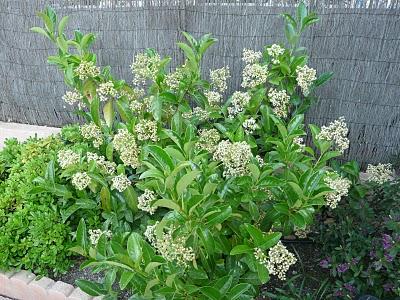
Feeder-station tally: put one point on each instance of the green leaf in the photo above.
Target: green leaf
(40, 31)
(241, 249)
(130, 197)
(256, 234)
(220, 216)
(262, 272)
(62, 24)
(81, 235)
(170, 180)
(185, 181)
(167, 203)
(270, 239)
(162, 157)
(95, 111)
(91, 288)
(150, 284)
(105, 198)
(62, 44)
(108, 112)
(295, 123)
(125, 279)
(323, 78)
(211, 293)
(134, 248)
(151, 266)
(238, 290)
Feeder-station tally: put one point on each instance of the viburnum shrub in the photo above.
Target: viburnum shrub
(196, 186)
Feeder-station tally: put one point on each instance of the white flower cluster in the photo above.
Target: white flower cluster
(380, 173)
(120, 183)
(340, 187)
(260, 160)
(67, 158)
(280, 260)
(80, 180)
(336, 132)
(250, 125)
(87, 69)
(124, 142)
(92, 132)
(250, 56)
(305, 78)
(280, 102)
(108, 166)
(169, 248)
(145, 67)
(138, 106)
(219, 79)
(238, 103)
(106, 90)
(173, 80)
(146, 130)
(299, 141)
(72, 97)
(254, 75)
(213, 98)
(234, 156)
(275, 51)
(260, 256)
(208, 140)
(95, 234)
(145, 201)
(198, 113)
(134, 94)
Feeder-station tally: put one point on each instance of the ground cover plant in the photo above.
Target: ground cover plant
(195, 187)
(361, 242)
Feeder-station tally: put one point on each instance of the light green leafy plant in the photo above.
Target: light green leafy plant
(195, 198)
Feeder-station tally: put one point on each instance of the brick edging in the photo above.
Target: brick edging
(23, 285)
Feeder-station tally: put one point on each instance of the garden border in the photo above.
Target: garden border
(22, 285)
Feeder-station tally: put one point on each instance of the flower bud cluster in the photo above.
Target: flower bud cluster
(340, 187)
(219, 79)
(120, 183)
(254, 75)
(144, 67)
(80, 180)
(275, 51)
(145, 201)
(72, 97)
(336, 132)
(250, 125)
(380, 173)
(280, 260)
(208, 139)
(213, 98)
(67, 158)
(280, 102)
(95, 234)
(106, 91)
(305, 78)
(146, 130)
(238, 103)
(197, 113)
(250, 56)
(87, 69)
(92, 132)
(235, 157)
(124, 142)
(108, 166)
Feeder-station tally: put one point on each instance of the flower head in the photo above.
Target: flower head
(144, 67)
(95, 234)
(219, 79)
(124, 142)
(145, 201)
(275, 51)
(213, 98)
(67, 158)
(197, 113)
(173, 80)
(380, 173)
(250, 125)
(336, 132)
(106, 90)
(72, 97)
(87, 69)
(81, 180)
(235, 157)
(120, 183)
(238, 103)
(305, 77)
(250, 56)
(146, 130)
(340, 187)
(208, 140)
(254, 75)
(280, 102)
(280, 260)
(92, 132)
(107, 166)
